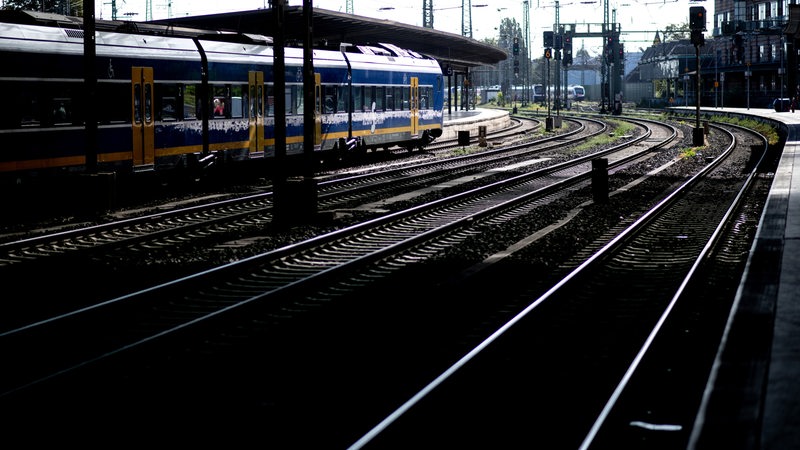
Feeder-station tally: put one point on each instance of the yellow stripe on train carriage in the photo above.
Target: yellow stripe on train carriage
(47, 163)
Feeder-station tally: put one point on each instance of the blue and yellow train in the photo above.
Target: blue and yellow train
(174, 98)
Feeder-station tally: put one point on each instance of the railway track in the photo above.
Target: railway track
(520, 128)
(281, 287)
(167, 232)
(617, 353)
(333, 188)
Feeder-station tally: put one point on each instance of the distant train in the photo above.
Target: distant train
(539, 94)
(575, 92)
(170, 98)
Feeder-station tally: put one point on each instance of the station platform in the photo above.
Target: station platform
(470, 120)
(752, 399)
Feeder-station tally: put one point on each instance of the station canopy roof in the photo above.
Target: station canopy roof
(334, 28)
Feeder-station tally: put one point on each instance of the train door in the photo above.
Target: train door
(256, 108)
(414, 106)
(142, 116)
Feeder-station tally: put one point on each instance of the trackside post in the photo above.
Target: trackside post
(600, 180)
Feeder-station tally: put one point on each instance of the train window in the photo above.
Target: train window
(25, 106)
(270, 101)
(10, 117)
(369, 98)
(399, 51)
(148, 103)
(342, 105)
(259, 100)
(318, 99)
(114, 102)
(406, 97)
(297, 95)
(190, 102)
(389, 100)
(358, 98)
(27, 114)
(166, 101)
(62, 111)
(256, 103)
(166, 110)
(329, 103)
(370, 50)
(288, 106)
(251, 105)
(425, 96)
(220, 106)
(398, 98)
(380, 94)
(137, 104)
(179, 102)
(237, 104)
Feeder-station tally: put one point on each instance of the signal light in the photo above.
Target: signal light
(548, 53)
(567, 60)
(516, 46)
(697, 18)
(547, 38)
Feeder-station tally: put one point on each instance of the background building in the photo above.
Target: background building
(744, 62)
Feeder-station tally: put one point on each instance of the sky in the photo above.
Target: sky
(638, 19)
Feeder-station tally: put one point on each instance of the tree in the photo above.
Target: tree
(51, 6)
(676, 32)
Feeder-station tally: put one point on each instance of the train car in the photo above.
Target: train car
(576, 92)
(168, 100)
(539, 94)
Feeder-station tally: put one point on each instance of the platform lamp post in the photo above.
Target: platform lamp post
(697, 24)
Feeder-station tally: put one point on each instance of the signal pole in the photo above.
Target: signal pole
(697, 24)
(526, 39)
